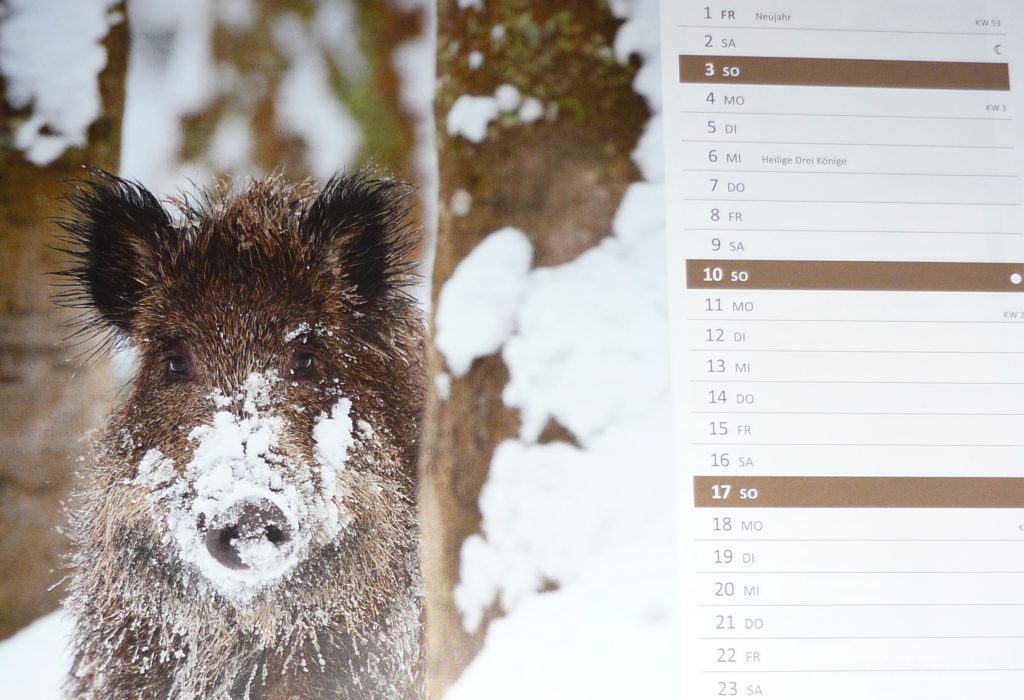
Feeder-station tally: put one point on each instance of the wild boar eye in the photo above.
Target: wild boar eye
(303, 365)
(177, 368)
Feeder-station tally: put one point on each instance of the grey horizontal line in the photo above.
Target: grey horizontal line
(826, 29)
(729, 200)
(807, 230)
(732, 572)
(869, 670)
(850, 116)
(723, 144)
(860, 605)
(851, 413)
(844, 381)
(1018, 322)
(965, 636)
(1018, 540)
(891, 352)
(848, 444)
(835, 172)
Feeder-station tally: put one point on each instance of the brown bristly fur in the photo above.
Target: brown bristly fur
(223, 279)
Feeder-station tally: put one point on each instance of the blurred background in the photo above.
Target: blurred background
(532, 130)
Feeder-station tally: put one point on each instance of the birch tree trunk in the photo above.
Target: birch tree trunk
(47, 400)
(559, 179)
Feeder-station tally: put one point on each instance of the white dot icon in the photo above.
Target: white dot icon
(1015, 278)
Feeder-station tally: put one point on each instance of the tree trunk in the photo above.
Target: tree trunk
(560, 180)
(47, 400)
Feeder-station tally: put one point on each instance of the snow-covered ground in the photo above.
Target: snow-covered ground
(35, 661)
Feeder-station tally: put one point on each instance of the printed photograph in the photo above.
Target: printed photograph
(334, 351)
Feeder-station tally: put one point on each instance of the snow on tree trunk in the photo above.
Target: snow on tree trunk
(536, 120)
(47, 401)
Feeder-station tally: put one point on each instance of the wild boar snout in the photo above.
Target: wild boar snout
(261, 490)
(250, 534)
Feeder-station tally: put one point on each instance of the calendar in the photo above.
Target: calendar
(846, 279)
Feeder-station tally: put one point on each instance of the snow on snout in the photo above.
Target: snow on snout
(240, 465)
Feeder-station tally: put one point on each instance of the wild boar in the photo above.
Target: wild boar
(246, 524)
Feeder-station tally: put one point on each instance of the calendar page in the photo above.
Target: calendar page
(846, 268)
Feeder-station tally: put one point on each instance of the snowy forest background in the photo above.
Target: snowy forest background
(532, 129)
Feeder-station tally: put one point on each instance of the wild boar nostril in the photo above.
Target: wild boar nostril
(220, 543)
(226, 535)
(275, 535)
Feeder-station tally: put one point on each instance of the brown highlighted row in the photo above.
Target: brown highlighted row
(857, 492)
(842, 275)
(844, 72)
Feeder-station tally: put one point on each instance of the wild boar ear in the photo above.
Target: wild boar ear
(116, 231)
(362, 223)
